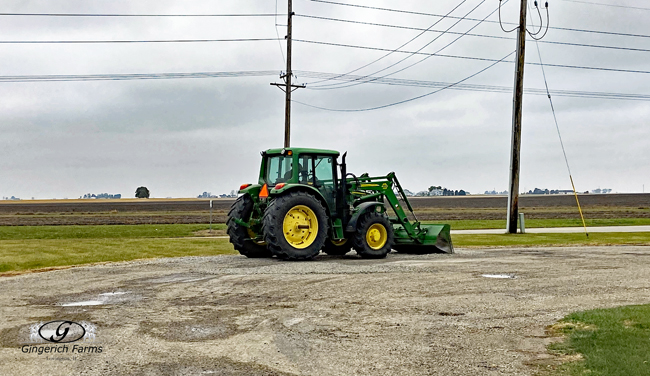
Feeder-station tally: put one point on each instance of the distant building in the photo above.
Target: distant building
(599, 191)
(494, 192)
(102, 195)
(435, 192)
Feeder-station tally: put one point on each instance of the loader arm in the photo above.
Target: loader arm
(411, 235)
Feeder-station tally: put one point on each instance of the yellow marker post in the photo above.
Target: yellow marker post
(579, 208)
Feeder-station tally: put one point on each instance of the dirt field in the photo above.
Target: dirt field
(404, 315)
(94, 212)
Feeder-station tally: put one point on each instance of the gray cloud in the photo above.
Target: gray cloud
(183, 137)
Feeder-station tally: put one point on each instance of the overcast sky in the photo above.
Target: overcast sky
(181, 137)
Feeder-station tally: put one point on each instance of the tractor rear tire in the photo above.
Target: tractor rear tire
(375, 236)
(295, 226)
(337, 248)
(240, 236)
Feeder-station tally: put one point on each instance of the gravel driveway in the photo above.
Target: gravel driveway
(476, 312)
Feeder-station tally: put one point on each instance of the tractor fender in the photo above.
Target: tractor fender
(294, 187)
(252, 190)
(302, 188)
(360, 210)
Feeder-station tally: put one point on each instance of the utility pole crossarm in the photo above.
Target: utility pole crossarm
(283, 86)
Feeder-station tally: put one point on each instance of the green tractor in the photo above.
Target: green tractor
(302, 205)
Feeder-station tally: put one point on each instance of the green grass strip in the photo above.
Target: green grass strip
(102, 231)
(575, 239)
(17, 255)
(609, 342)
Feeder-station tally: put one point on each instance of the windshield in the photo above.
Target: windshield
(314, 170)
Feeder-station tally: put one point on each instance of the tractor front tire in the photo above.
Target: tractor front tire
(240, 236)
(374, 237)
(339, 248)
(295, 226)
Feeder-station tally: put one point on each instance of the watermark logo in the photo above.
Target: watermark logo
(52, 337)
(62, 331)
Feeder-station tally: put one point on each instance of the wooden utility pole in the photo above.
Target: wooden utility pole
(513, 192)
(288, 87)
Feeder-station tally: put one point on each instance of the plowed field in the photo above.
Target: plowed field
(161, 211)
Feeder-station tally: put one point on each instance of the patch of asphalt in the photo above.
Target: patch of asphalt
(406, 314)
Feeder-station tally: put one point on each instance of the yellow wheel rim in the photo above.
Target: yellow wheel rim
(377, 236)
(300, 226)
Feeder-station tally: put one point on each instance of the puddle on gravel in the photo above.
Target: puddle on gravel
(84, 303)
(499, 276)
(104, 298)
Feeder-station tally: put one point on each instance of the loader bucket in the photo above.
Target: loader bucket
(432, 239)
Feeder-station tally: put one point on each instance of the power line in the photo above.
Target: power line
(329, 87)
(557, 127)
(394, 26)
(422, 31)
(387, 49)
(475, 58)
(280, 39)
(607, 5)
(470, 34)
(277, 33)
(474, 19)
(134, 76)
(472, 87)
(310, 74)
(410, 99)
(136, 41)
(139, 15)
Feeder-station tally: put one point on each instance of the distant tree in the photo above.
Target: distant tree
(142, 192)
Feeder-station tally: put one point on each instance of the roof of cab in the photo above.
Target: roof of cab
(303, 151)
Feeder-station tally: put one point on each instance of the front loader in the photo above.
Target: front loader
(305, 202)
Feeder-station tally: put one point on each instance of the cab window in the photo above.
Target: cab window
(278, 169)
(324, 170)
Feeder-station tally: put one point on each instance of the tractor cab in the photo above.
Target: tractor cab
(312, 167)
(316, 168)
